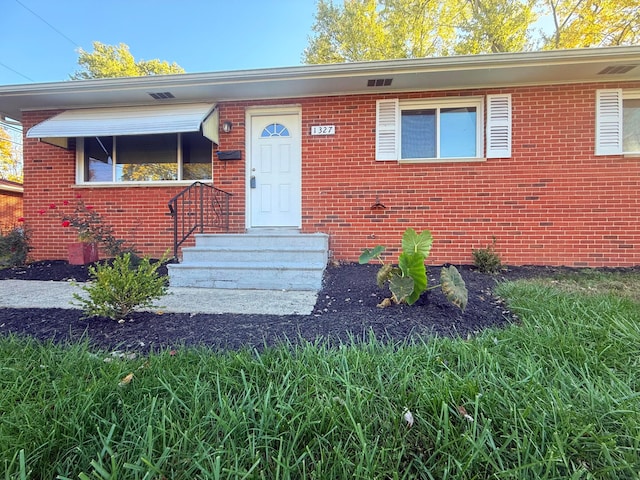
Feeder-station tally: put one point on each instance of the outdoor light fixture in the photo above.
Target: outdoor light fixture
(226, 126)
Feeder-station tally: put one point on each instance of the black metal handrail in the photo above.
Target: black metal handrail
(196, 207)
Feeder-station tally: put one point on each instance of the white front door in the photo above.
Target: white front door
(274, 170)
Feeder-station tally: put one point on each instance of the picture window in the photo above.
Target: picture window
(145, 158)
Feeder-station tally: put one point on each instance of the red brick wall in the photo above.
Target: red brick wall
(553, 202)
(10, 209)
(138, 214)
(229, 175)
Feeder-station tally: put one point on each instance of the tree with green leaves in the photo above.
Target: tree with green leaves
(10, 163)
(109, 61)
(360, 30)
(348, 33)
(420, 28)
(493, 26)
(382, 29)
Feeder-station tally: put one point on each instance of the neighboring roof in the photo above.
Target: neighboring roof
(142, 120)
(9, 186)
(443, 73)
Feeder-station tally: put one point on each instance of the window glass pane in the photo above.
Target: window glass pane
(631, 125)
(418, 129)
(458, 132)
(147, 158)
(98, 159)
(275, 130)
(196, 157)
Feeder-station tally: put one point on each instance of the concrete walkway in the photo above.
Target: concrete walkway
(39, 294)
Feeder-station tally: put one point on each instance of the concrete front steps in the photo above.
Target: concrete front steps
(261, 260)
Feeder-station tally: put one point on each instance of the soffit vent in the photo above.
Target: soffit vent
(161, 95)
(379, 82)
(616, 69)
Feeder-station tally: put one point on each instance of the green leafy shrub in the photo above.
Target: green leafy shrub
(409, 280)
(14, 247)
(117, 289)
(487, 260)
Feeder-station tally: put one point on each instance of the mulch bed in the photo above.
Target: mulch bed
(346, 311)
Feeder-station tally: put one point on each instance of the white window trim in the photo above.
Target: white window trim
(388, 114)
(80, 168)
(438, 104)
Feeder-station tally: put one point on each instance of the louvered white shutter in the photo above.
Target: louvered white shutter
(387, 129)
(498, 126)
(609, 122)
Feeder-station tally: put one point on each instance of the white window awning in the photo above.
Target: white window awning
(139, 120)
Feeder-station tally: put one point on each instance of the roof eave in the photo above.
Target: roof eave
(232, 85)
(452, 63)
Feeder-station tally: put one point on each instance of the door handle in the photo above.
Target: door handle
(252, 182)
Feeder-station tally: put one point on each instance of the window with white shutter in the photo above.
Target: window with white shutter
(440, 129)
(498, 126)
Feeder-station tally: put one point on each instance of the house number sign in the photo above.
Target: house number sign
(323, 130)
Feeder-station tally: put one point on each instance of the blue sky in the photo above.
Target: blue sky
(39, 43)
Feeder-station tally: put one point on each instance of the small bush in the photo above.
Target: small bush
(14, 247)
(487, 260)
(121, 287)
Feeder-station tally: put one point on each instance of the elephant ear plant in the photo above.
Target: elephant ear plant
(408, 280)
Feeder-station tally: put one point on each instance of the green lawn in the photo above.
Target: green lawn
(557, 396)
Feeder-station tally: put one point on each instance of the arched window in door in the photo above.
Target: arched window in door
(275, 130)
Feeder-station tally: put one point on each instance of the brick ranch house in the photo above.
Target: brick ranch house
(540, 150)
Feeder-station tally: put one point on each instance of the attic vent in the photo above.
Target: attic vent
(616, 69)
(162, 95)
(379, 82)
